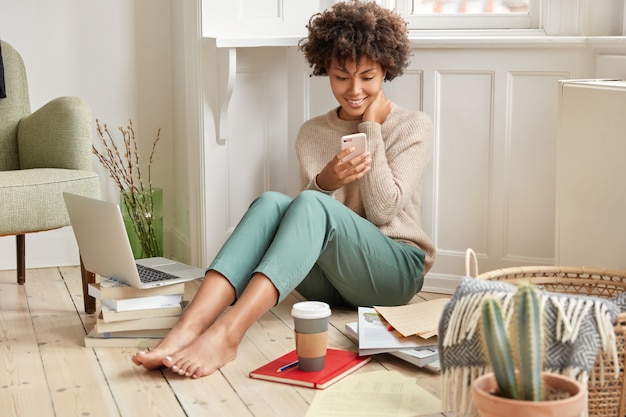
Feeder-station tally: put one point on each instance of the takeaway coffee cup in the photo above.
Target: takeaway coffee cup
(311, 330)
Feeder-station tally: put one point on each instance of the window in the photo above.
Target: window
(470, 6)
(468, 14)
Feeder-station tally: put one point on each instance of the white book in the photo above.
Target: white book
(147, 323)
(422, 357)
(108, 315)
(112, 288)
(141, 339)
(143, 303)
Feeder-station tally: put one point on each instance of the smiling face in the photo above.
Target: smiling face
(355, 85)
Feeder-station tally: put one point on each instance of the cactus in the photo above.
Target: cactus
(518, 348)
(499, 348)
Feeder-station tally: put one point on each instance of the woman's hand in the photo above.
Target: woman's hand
(338, 173)
(379, 109)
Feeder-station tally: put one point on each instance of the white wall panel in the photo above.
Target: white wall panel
(261, 9)
(530, 166)
(463, 160)
(252, 159)
(610, 66)
(298, 85)
(320, 96)
(214, 196)
(407, 90)
(246, 144)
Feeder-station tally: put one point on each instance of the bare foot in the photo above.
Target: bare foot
(175, 340)
(207, 353)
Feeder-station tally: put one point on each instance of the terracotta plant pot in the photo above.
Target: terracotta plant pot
(490, 405)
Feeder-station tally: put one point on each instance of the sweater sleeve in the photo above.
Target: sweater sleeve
(400, 151)
(309, 147)
(317, 143)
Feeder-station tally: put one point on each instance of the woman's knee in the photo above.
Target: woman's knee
(312, 197)
(272, 198)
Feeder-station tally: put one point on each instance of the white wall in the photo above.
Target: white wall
(116, 55)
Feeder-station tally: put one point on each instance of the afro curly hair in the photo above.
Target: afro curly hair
(351, 30)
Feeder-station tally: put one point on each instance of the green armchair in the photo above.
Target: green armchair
(42, 154)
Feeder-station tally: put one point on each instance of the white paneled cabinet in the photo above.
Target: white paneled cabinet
(591, 174)
(256, 21)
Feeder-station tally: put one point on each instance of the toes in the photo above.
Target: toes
(200, 372)
(174, 365)
(168, 361)
(185, 367)
(179, 366)
(194, 371)
(139, 357)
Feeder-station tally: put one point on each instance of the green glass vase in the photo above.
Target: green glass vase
(142, 212)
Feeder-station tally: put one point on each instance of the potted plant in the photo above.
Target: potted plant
(141, 203)
(518, 386)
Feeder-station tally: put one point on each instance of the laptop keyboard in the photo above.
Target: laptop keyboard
(150, 275)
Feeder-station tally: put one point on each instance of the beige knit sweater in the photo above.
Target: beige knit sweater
(389, 195)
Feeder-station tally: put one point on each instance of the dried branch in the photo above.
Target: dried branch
(126, 173)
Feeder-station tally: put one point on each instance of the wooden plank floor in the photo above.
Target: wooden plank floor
(45, 370)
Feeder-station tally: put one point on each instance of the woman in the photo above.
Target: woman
(353, 237)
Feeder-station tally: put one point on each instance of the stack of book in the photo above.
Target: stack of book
(407, 332)
(133, 317)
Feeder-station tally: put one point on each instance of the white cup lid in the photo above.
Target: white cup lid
(310, 310)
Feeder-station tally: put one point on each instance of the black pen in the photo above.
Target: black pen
(288, 366)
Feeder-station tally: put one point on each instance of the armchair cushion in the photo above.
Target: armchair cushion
(32, 199)
(55, 136)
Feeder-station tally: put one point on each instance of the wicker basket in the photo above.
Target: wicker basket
(606, 394)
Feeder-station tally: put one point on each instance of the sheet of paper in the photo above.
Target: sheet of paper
(376, 336)
(415, 318)
(374, 394)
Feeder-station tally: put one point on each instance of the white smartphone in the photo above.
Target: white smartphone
(356, 141)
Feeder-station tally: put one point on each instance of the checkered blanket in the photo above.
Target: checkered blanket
(577, 327)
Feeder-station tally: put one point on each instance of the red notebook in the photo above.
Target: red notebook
(338, 364)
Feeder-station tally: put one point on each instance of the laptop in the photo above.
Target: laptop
(105, 249)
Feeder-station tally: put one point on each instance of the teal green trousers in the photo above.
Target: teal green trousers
(315, 244)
